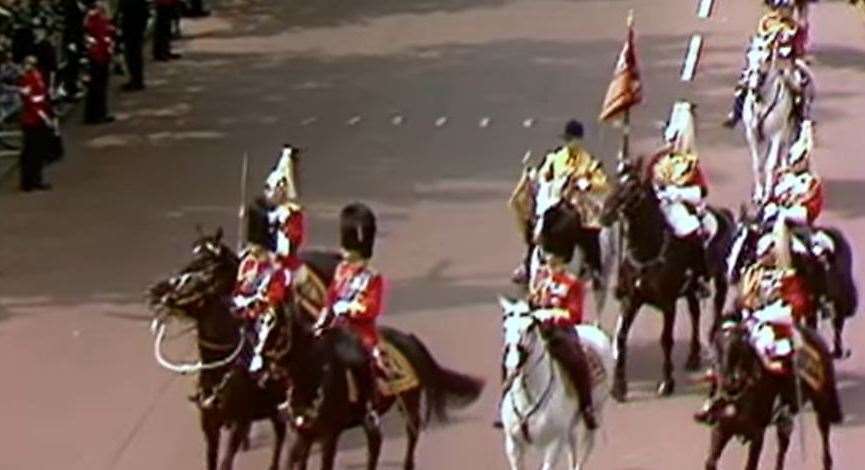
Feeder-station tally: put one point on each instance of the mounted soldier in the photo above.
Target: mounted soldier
(570, 174)
(354, 300)
(269, 266)
(681, 188)
(773, 299)
(556, 297)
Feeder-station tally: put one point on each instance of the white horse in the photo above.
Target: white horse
(537, 409)
(768, 111)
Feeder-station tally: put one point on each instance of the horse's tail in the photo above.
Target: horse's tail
(720, 245)
(843, 266)
(826, 401)
(444, 388)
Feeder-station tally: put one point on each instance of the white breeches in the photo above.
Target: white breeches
(681, 219)
(767, 344)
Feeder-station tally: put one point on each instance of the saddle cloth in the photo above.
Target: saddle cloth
(401, 376)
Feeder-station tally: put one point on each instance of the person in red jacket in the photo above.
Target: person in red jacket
(354, 298)
(36, 126)
(100, 46)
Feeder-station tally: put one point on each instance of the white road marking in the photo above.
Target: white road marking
(397, 120)
(692, 57)
(308, 121)
(485, 122)
(705, 8)
(528, 123)
(441, 121)
(353, 120)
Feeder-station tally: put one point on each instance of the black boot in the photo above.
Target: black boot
(735, 114)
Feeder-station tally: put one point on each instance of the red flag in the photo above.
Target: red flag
(625, 89)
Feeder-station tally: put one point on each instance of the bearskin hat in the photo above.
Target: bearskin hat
(258, 228)
(559, 231)
(357, 229)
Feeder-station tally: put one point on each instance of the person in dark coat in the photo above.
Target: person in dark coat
(100, 47)
(133, 23)
(73, 45)
(46, 56)
(165, 11)
(37, 122)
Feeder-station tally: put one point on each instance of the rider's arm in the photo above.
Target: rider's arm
(368, 305)
(597, 178)
(574, 302)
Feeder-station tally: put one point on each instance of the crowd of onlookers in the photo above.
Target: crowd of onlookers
(56, 52)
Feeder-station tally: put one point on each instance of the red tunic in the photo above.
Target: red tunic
(291, 225)
(794, 291)
(362, 286)
(558, 290)
(100, 36)
(262, 276)
(696, 178)
(34, 100)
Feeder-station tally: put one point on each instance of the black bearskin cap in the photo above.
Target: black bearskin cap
(258, 229)
(559, 232)
(357, 229)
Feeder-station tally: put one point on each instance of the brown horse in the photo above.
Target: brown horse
(655, 270)
(750, 394)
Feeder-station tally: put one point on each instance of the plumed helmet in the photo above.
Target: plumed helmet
(357, 229)
(573, 130)
(558, 232)
(258, 228)
(282, 175)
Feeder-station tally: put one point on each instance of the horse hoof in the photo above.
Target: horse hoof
(694, 364)
(666, 388)
(619, 392)
(841, 354)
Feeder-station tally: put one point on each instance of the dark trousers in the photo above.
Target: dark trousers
(33, 155)
(96, 105)
(133, 53)
(564, 345)
(162, 32)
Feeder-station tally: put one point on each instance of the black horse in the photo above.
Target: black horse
(751, 394)
(326, 398)
(654, 270)
(227, 394)
(831, 284)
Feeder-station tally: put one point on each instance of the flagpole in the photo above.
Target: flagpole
(624, 154)
(241, 214)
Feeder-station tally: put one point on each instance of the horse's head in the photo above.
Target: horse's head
(734, 355)
(681, 129)
(628, 193)
(520, 333)
(744, 247)
(759, 61)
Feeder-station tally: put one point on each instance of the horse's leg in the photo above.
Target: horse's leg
(411, 404)
(626, 319)
(239, 431)
(514, 449)
(373, 445)
(586, 448)
(299, 454)
(279, 430)
(328, 450)
(838, 351)
(667, 384)
(720, 438)
(693, 362)
(755, 450)
(553, 453)
(210, 425)
(784, 429)
(773, 155)
(721, 289)
(756, 161)
(825, 428)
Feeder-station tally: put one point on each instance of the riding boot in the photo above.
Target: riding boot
(735, 114)
(497, 422)
(565, 347)
(699, 281)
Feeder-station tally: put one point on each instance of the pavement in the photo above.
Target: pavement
(423, 109)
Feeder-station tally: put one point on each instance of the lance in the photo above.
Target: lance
(241, 214)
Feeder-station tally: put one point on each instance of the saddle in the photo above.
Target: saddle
(398, 375)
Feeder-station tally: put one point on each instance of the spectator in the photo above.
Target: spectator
(46, 56)
(37, 126)
(162, 30)
(100, 47)
(133, 23)
(73, 45)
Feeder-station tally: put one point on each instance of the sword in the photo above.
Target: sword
(241, 214)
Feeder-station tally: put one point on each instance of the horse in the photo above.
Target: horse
(654, 270)
(832, 285)
(750, 394)
(324, 392)
(769, 111)
(227, 395)
(538, 409)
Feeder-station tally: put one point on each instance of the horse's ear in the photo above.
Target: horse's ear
(218, 234)
(505, 303)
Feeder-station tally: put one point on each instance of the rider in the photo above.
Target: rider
(681, 189)
(556, 296)
(780, 30)
(354, 298)
(286, 216)
(773, 298)
(579, 178)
